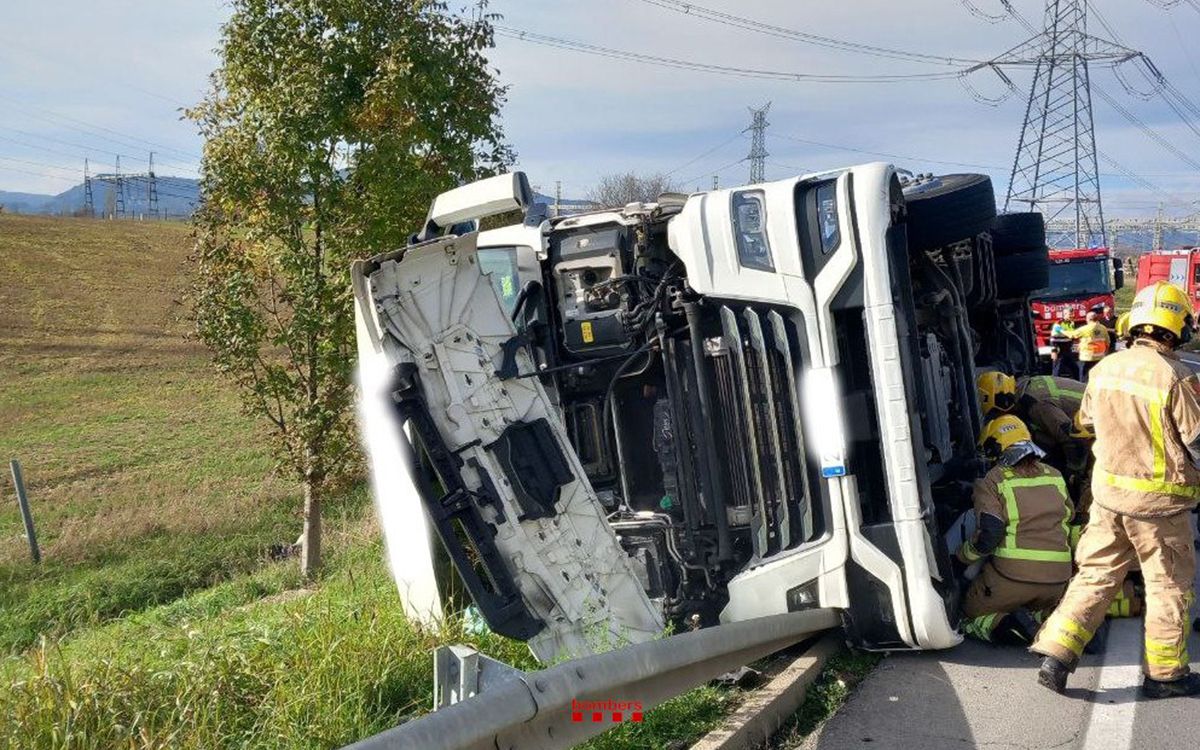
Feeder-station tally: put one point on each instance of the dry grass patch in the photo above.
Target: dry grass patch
(145, 478)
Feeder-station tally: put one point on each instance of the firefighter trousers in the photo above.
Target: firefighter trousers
(992, 596)
(1112, 544)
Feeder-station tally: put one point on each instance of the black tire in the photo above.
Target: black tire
(1021, 273)
(1018, 233)
(949, 209)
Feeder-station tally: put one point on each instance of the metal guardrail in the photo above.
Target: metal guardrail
(534, 711)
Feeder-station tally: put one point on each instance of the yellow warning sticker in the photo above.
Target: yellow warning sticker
(585, 328)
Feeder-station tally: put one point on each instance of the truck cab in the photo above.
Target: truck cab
(711, 408)
(1079, 279)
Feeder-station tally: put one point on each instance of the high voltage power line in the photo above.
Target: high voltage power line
(740, 22)
(728, 70)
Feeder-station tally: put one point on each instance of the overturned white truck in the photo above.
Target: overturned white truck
(712, 408)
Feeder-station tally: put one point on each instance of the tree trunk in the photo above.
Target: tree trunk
(310, 540)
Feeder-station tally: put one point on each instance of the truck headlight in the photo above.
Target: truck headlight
(823, 410)
(749, 209)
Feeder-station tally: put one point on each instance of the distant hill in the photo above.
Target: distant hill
(177, 197)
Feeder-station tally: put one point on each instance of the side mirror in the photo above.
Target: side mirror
(495, 195)
(1118, 274)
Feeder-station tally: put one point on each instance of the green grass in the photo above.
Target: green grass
(225, 668)
(826, 696)
(156, 618)
(1124, 297)
(145, 478)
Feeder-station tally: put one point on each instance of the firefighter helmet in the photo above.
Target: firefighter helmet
(997, 391)
(1123, 325)
(1001, 434)
(1164, 306)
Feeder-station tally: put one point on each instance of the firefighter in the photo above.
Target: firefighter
(1122, 330)
(1062, 356)
(1093, 344)
(1022, 511)
(1047, 405)
(1144, 406)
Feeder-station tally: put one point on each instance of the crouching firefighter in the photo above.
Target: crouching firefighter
(1022, 511)
(1048, 406)
(1144, 406)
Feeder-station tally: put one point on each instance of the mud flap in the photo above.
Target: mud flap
(515, 510)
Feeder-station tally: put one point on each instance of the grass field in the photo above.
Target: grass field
(157, 618)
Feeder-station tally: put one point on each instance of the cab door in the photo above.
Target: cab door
(503, 490)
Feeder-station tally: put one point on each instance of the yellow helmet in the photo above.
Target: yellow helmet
(996, 391)
(1164, 306)
(1002, 433)
(1123, 325)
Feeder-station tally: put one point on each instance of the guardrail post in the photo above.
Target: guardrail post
(26, 513)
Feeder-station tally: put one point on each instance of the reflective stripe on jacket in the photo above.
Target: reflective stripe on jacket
(1064, 393)
(1048, 406)
(1144, 405)
(1031, 498)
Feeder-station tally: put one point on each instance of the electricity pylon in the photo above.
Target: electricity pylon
(758, 144)
(1055, 170)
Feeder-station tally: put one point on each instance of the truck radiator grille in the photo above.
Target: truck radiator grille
(760, 437)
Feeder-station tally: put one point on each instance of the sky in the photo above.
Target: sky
(97, 79)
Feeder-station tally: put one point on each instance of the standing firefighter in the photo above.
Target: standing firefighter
(1022, 511)
(1093, 344)
(1144, 405)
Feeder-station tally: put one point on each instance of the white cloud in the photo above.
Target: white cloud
(125, 65)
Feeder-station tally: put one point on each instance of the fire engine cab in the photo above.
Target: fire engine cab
(1080, 279)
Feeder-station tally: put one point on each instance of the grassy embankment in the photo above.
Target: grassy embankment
(157, 618)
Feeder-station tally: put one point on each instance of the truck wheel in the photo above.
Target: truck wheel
(948, 209)
(1021, 273)
(1018, 233)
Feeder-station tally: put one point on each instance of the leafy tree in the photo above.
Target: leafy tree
(329, 126)
(617, 190)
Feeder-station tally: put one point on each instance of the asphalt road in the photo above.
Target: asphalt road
(981, 696)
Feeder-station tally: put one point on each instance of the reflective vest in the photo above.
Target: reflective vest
(1093, 342)
(1144, 405)
(1048, 406)
(1064, 393)
(1031, 498)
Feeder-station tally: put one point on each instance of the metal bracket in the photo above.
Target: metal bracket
(461, 672)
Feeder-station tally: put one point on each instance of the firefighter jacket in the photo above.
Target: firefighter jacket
(1144, 406)
(1093, 341)
(1048, 406)
(1024, 514)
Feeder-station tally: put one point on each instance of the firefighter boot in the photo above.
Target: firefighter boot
(1053, 674)
(1018, 628)
(1189, 684)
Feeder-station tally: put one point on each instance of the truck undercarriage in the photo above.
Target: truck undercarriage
(711, 408)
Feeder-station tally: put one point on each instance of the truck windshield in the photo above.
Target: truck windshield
(1077, 278)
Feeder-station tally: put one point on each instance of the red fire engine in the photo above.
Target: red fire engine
(1180, 267)
(1079, 280)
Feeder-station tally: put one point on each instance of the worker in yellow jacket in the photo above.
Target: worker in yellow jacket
(1093, 344)
(1144, 406)
(1022, 513)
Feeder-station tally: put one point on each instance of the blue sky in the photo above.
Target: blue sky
(86, 78)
